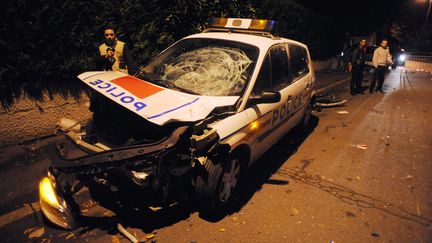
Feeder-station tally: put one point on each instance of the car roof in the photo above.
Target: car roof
(262, 42)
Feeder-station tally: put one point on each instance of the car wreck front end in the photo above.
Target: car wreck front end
(164, 169)
(150, 132)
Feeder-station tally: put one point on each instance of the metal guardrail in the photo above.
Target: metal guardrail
(419, 58)
(418, 62)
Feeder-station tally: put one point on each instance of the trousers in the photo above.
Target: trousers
(378, 75)
(357, 78)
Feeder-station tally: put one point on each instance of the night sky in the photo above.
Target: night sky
(361, 17)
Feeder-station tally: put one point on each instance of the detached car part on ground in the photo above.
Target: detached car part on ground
(188, 126)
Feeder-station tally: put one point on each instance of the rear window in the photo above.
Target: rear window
(299, 61)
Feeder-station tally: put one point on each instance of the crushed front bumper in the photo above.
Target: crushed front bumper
(56, 193)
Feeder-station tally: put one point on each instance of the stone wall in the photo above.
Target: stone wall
(28, 119)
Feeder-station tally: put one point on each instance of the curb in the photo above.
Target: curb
(22, 154)
(322, 90)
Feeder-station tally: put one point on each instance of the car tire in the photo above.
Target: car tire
(305, 121)
(216, 185)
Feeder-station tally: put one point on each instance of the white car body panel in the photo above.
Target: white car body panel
(257, 126)
(158, 104)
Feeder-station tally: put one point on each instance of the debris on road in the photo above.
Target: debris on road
(360, 146)
(375, 234)
(408, 177)
(128, 235)
(150, 236)
(35, 232)
(222, 230)
(350, 214)
(70, 236)
(155, 209)
(329, 103)
(342, 112)
(294, 211)
(115, 239)
(418, 209)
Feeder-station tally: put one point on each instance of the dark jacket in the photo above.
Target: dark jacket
(358, 57)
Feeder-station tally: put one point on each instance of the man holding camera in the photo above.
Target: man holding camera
(114, 54)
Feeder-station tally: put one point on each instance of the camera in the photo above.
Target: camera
(110, 49)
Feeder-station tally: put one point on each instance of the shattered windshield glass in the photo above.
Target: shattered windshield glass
(204, 66)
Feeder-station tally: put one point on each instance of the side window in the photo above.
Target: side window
(263, 81)
(298, 61)
(275, 72)
(279, 67)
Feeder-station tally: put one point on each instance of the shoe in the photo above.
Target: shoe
(371, 91)
(353, 93)
(381, 91)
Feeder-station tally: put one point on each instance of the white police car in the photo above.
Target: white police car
(193, 120)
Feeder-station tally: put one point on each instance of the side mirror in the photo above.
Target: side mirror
(266, 97)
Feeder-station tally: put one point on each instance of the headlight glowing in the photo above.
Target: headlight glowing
(54, 207)
(402, 57)
(254, 125)
(47, 193)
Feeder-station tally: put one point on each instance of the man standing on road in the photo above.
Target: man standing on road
(381, 60)
(358, 62)
(114, 54)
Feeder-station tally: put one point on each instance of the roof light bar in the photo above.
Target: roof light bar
(246, 24)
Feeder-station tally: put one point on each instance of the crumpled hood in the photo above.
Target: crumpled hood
(157, 104)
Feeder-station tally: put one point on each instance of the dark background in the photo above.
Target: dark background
(46, 43)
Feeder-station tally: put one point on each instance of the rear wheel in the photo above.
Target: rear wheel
(304, 123)
(216, 185)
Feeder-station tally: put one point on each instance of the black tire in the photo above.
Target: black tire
(305, 121)
(216, 185)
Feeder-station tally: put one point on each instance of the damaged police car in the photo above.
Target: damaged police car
(189, 125)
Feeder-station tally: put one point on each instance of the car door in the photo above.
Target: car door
(273, 119)
(302, 81)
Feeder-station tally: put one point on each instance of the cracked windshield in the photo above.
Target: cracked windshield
(204, 66)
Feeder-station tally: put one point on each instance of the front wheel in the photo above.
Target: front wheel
(216, 185)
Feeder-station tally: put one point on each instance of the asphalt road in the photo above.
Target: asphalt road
(361, 173)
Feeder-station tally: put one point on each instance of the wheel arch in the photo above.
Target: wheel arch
(243, 153)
